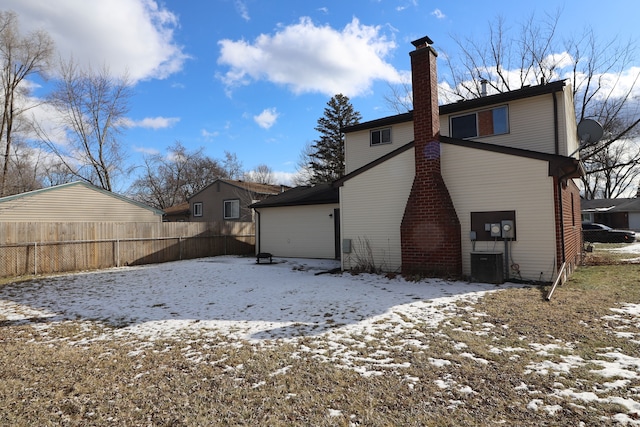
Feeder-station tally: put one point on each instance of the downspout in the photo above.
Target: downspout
(257, 231)
(556, 130)
(556, 140)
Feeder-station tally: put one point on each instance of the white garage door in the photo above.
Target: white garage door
(634, 220)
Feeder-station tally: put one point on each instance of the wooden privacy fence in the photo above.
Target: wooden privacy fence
(43, 248)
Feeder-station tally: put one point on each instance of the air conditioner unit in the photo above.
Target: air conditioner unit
(487, 267)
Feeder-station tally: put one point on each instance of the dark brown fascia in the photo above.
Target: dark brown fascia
(376, 162)
(464, 105)
(559, 166)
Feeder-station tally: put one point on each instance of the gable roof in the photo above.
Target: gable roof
(464, 105)
(179, 209)
(318, 194)
(560, 166)
(610, 205)
(79, 184)
(253, 187)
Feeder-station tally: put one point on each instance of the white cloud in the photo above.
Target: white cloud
(146, 150)
(438, 14)
(267, 118)
(308, 58)
(152, 122)
(242, 9)
(283, 178)
(132, 36)
(207, 135)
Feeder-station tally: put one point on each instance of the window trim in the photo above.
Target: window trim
(197, 209)
(507, 130)
(380, 131)
(224, 208)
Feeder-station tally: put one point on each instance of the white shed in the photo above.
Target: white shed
(302, 222)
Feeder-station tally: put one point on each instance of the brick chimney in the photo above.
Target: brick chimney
(430, 229)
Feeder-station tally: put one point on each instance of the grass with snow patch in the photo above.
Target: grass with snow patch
(512, 358)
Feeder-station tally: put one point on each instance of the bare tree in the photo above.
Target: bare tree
(601, 73)
(606, 181)
(171, 179)
(24, 171)
(262, 174)
(21, 57)
(92, 108)
(304, 174)
(232, 166)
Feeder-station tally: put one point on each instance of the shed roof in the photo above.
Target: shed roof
(318, 194)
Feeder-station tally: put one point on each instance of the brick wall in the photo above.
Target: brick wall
(430, 230)
(572, 223)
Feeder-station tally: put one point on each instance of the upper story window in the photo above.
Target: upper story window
(494, 121)
(231, 209)
(197, 209)
(381, 136)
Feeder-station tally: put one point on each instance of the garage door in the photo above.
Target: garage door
(634, 220)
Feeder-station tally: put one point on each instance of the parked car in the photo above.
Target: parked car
(593, 232)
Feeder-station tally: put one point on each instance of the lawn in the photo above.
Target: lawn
(222, 341)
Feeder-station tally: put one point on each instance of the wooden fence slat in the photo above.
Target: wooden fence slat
(64, 247)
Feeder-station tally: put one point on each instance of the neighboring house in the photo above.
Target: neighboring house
(177, 213)
(301, 222)
(75, 202)
(229, 200)
(425, 189)
(616, 213)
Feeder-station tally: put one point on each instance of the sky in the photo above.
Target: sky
(324, 317)
(252, 77)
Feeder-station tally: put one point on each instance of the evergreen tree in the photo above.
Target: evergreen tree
(326, 159)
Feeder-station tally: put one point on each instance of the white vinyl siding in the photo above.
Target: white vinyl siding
(297, 231)
(372, 207)
(72, 203)
(359, 151)
(481, 181)
(567, 124)
(531, 125)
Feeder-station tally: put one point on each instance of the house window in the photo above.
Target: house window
(231, 209)
(197, 209)
(381, 136)
(481, 123)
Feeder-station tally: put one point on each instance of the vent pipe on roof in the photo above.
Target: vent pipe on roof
(483, 84)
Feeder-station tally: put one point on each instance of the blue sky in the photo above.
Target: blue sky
(252, 77)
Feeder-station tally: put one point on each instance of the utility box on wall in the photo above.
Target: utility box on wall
(487, 267)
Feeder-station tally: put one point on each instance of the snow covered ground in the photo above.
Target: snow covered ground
(287, 301)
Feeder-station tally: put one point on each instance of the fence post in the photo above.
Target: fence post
(35, 258)
(180, 248)
(117, 252)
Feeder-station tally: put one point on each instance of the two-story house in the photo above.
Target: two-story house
(434, 190)
(462, 189)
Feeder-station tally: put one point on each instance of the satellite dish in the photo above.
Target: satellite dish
(589, 131)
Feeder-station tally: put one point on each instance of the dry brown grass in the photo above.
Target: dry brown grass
(58, 379)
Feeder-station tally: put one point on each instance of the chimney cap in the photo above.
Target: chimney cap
(422, 42)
